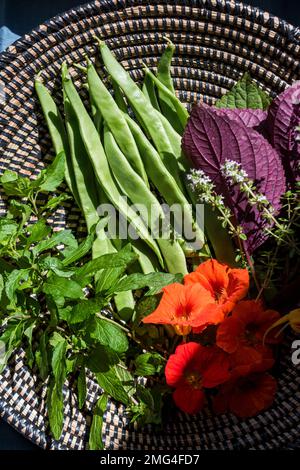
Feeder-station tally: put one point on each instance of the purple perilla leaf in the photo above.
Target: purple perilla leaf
(210, 140)
(281, 124)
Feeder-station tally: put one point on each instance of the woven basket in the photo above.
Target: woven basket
(216, 42)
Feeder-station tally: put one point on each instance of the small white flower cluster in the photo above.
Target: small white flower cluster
(201, 185)
(233, 171)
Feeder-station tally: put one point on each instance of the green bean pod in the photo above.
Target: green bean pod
(98, 159)
(118, 96)
(82, 168)
(164, 67)
(163, 180)
(113, 116)
(180, 109)
(144, 110)
(175, 140)
(164, 76)
(134, 187)
(57, 132)
(149, 91)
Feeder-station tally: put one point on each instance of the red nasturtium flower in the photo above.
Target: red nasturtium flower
(246, 396)
(241, 335)
(246, 326)
(192, 369)
(185, 307)
(225, 285)
(247, 359)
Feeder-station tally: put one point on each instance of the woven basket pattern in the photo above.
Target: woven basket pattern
(216, 42)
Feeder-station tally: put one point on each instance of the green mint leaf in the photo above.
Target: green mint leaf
(41, 357)
(18, 209)
(1, 286)
(95, 437)
(13, 283)
(108, 278)
(55, 407)
(60, 287)
(50, 178)
(8, 230)
(144, 394)
(58, 360)
(15, 185)
(12, 338)
(112, 260)
(245, 94)
(148, 364)
(126, 378)
(85, 309)
(54, 202)
(81, 388)
(63, 237)
(56, 266)
(108, 334)
(102, 358)
(29, 353)
(104, 362)
(82, 250)
(155, 281)
(113, 386)
(37, 232)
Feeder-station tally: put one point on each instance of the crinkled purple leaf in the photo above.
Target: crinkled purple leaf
(283, 119)
(210, 139)
(250, 117)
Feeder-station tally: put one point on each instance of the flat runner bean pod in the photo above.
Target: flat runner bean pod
(83, 170)
(180, 109)
(149, 91)
(57, 132)
(164, 66)
(134, 187)
(113, 116)
(89, 198)
(175, 140)
(164, 76)
(163, 180)
(98, 159)
(144, 109)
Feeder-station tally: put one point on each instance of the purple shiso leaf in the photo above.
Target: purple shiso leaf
(210, 139)
(250, 117)
(281, 123)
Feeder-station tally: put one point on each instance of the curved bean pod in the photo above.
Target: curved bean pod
(133, 186)
(113, 116)
(98, 159)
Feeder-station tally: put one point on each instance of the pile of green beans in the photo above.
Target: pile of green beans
(110, 154)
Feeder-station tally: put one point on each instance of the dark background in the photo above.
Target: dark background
(20, 16)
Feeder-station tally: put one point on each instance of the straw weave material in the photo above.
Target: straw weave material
(216, 42)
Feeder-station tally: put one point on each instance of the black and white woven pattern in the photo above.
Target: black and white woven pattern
(216, 42)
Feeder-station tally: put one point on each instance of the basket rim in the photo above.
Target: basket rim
(56, 22)
(255, 15)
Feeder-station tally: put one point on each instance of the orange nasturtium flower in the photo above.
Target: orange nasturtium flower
(185, 307)
(225, 285)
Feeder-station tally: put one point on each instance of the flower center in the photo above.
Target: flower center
(183, 312)
(250, 334)
(194, 379)
(220, 295)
